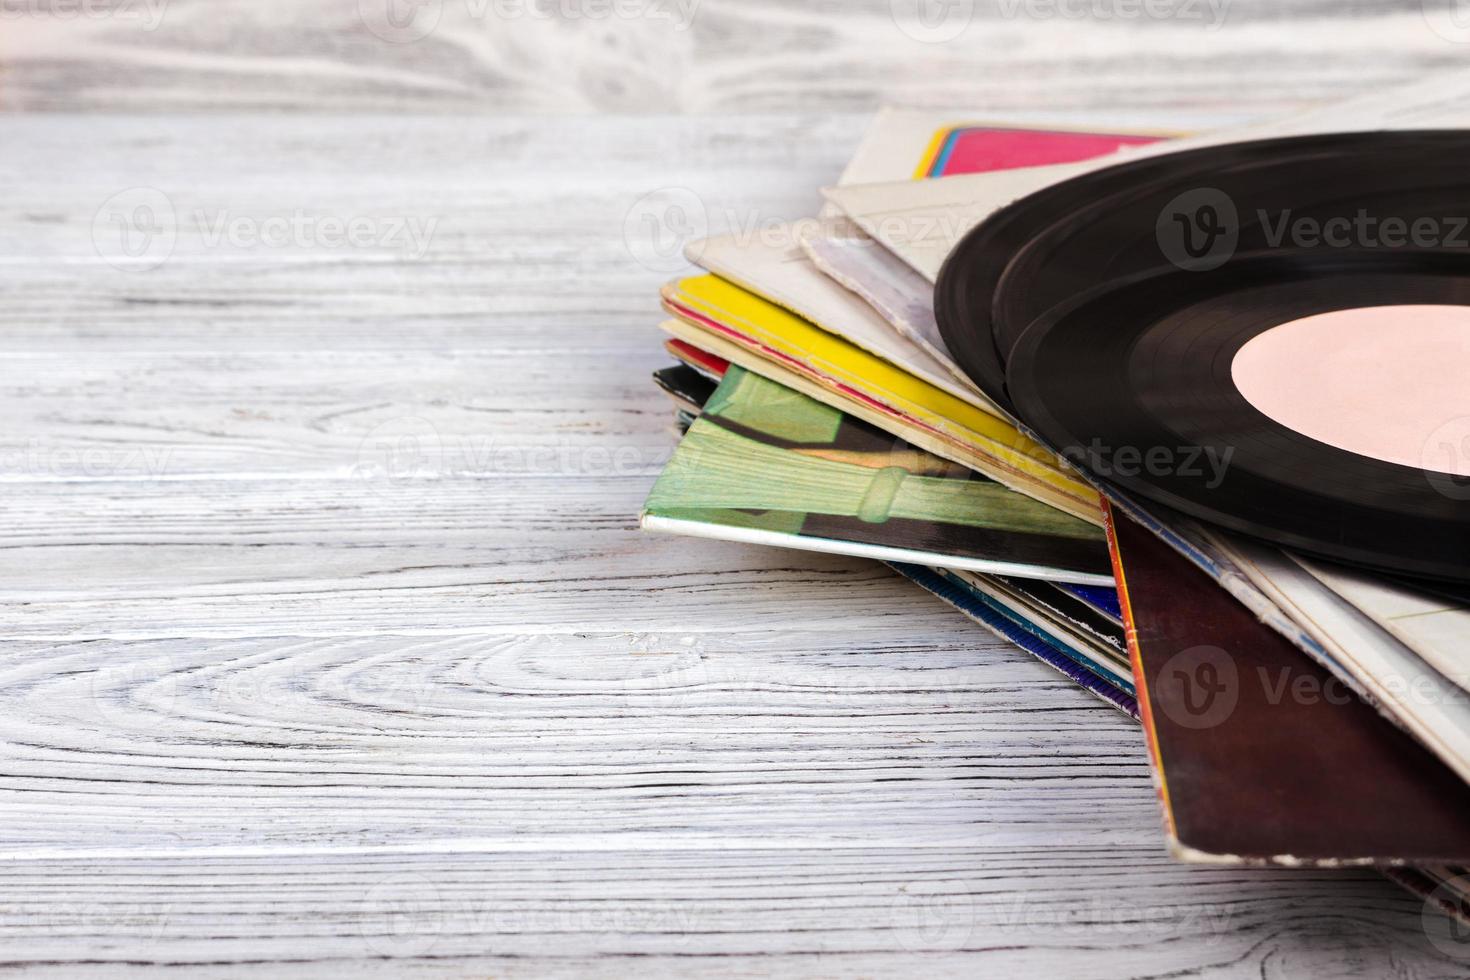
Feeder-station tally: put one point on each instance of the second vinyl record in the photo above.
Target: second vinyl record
(1123, 220)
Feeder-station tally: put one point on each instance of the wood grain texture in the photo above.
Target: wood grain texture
(711, 55)
(758, 911)
(331, 646)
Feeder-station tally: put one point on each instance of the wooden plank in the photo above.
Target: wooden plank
(764, 910)
(709, 56)
(278, 697)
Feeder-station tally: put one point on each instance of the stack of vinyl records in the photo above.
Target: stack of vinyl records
(1187, 417)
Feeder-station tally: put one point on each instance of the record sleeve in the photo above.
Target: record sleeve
(766, 464)
(1259, 756)
(749, 330)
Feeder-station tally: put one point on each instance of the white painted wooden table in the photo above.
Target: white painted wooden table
(332, 647)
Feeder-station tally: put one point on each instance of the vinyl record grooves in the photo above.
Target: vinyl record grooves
(1144, 367)
(1106, 313)
(1104, 226)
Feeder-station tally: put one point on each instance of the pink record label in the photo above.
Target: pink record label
(1388, 382)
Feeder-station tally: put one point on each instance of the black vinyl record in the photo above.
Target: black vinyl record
(1138, 370)
(1125, 220)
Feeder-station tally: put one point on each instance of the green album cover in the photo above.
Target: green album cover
(767, 464)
